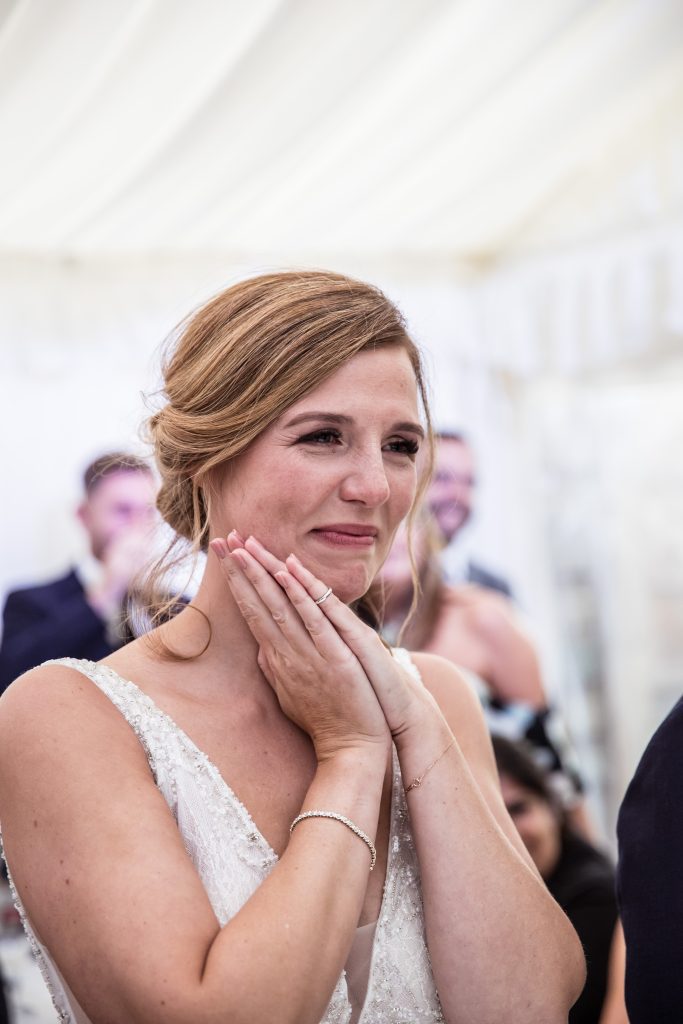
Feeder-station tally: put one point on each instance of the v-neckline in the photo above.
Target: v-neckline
(223, 785)
(220, 778)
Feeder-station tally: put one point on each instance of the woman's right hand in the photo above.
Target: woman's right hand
(318, 681)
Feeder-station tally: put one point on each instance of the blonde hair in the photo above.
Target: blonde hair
(429, 588)
(239, 362)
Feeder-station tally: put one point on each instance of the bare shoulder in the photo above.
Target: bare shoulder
(46, 681)
(49, 695)
(50, 718)
(471, 595)
(491, 616)
(450, 688)
(477, 606)
(461, 708)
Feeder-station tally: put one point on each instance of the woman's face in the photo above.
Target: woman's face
(333, 477)
(536, 823)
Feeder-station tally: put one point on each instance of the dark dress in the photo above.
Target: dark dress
(650, 832)
(583, 885)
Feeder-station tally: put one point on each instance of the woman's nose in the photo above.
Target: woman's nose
(366, 482)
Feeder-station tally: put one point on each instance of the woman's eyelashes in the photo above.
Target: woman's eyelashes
(330, 437)
(322, 437)
(404, 446)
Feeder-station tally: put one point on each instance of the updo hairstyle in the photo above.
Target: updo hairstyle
(244, 358)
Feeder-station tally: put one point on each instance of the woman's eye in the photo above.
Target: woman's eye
(323, 437)
(404, 446)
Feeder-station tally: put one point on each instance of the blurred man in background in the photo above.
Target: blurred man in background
(450, 498)
(82, 614)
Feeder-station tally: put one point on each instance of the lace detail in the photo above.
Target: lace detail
(233, 858)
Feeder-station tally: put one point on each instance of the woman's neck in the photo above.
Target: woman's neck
(212, 632)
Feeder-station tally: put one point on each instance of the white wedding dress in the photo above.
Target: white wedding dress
(232, 858)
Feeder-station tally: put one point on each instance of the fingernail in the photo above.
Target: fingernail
(283, 579)
(295, 560)
(219, 548)
(240, 559)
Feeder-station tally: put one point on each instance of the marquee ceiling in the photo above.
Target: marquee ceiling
(440, 129)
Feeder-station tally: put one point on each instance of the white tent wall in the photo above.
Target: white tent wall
(607, 453)
(306, 130)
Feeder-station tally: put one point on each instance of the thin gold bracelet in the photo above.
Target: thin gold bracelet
(420, 778)
(345, 821)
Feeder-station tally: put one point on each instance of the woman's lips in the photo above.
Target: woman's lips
(340, 536)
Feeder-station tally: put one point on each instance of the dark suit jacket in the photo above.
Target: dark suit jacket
(650, 878)
(481, 576)
(49, 621)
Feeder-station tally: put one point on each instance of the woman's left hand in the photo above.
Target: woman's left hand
(404, 701)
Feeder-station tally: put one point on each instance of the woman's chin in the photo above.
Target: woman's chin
(349, 586)
(349, 595)
(349, 578)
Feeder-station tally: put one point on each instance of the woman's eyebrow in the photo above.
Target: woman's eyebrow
(345, 421)
(413, 428)
(325, 417)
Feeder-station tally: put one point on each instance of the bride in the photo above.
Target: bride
(257, 812)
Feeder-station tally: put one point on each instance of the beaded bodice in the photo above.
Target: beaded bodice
(232, 859)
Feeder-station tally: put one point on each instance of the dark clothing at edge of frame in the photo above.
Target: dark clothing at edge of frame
(583, 885)
(53, 620)
(650, 878)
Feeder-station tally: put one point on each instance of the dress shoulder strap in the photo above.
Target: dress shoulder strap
(148, 722)
(404, 659)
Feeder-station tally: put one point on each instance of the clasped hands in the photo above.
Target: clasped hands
(330, 672)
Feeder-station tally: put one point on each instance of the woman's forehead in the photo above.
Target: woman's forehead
(374, 378)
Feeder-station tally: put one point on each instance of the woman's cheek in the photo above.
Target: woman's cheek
(403, 491)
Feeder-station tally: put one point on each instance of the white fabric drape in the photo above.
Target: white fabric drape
(280, 130)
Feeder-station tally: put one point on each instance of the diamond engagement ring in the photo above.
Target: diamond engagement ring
(324, 596)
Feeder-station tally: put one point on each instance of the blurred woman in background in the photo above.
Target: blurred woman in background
(579, 876)
(481, 632)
